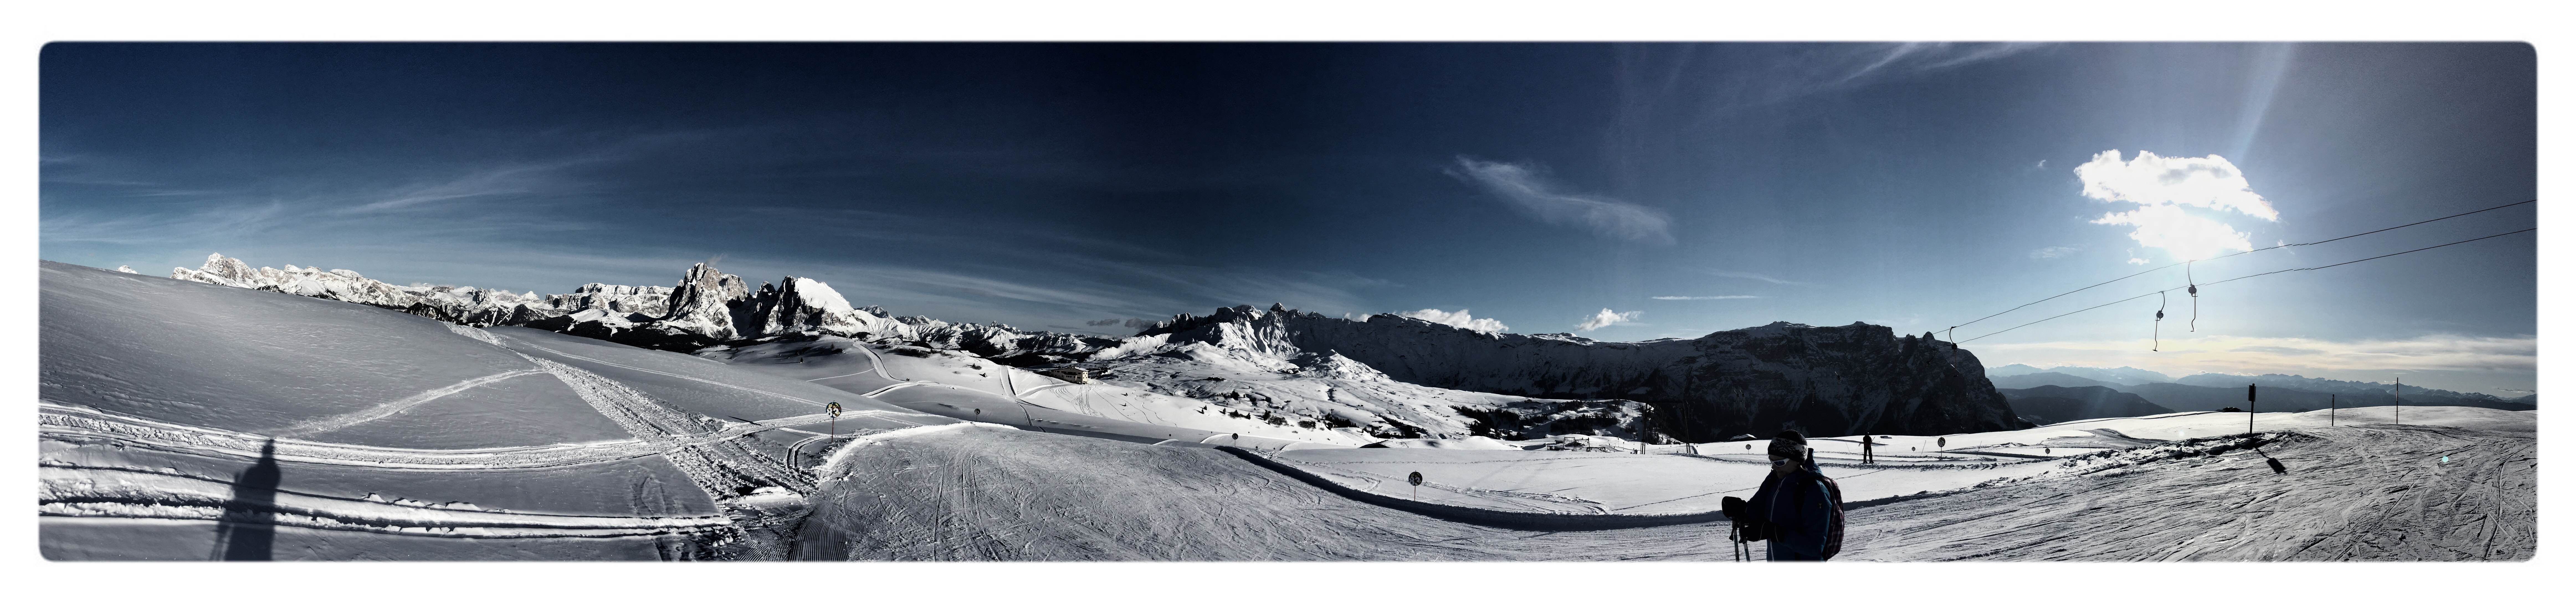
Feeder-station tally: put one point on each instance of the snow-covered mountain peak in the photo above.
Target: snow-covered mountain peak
(1828, 380)
(1333, 365)
(705, 302)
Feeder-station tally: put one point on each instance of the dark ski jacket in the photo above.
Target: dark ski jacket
(1796, 513)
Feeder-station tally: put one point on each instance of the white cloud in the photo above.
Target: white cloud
(2161, 187)
(1708, 297)
(2137, 261)
(2185, 236)
(1458, 319)
(1607, 318)
(2051, 253)
(1522, 188)
(2043, 164)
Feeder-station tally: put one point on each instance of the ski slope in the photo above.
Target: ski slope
(2380, 492)
(960, 386)
(1667, 481)
(2352, 494)
(181, 420)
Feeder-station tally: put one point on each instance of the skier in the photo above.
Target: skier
(1798, 509)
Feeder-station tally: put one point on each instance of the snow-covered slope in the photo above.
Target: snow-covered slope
(1329, 390)
(976, 388)
(2360, 493)
(178, 420)
(2375, 492)
(181, 420)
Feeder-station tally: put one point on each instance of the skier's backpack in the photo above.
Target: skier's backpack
(1834, 528)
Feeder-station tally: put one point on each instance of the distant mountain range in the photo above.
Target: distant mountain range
(2122, 375)
(2048, 404)
(2211, 391)
(1830, 380)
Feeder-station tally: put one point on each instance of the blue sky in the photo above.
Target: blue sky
(1618, 191)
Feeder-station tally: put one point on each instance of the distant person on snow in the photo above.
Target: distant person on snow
(1798, 509)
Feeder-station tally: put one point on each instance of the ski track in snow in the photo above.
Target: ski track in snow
(338, 422)
(718, 465)
(2378, 492)
(76, 424)
(137, 493)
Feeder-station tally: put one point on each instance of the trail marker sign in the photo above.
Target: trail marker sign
(833, 427)
(1416, 478)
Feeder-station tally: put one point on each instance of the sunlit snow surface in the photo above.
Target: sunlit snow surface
(1678, 479)
(2354, 493)
(181, 420)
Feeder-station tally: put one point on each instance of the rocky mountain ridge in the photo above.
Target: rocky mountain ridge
(1851, 379)
(706, 307)
(1826, 381)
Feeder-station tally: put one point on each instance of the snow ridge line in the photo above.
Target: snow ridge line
(478, 334)
(1516, 520)
(344, 421)
(1376, 480)
(69, 491)
(73, 423)
(835, 464)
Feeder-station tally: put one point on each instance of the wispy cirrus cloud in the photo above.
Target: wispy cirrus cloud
(500, 183)
(1523, 188)
(1752, 276)
(2051, 253)
(1921, 57)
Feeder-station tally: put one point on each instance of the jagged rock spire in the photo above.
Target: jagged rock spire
(704, 303)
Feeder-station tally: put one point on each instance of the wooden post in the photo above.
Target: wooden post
(2330, 410)
(2397, 397)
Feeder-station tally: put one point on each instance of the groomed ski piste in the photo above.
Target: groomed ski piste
(184, 421)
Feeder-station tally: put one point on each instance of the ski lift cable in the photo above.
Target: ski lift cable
(2143, 272)
(2162, 291)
